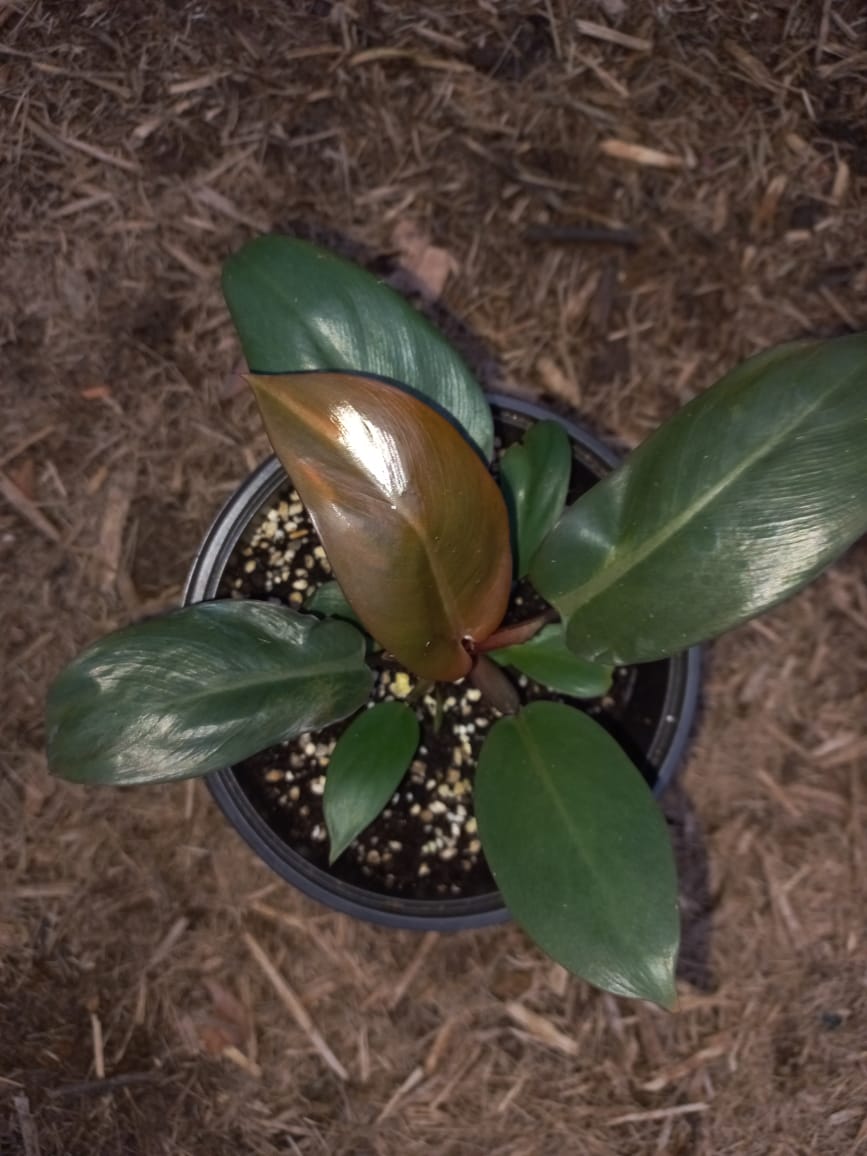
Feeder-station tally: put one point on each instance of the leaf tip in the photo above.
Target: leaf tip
(256, 381)
(657, 985)
(666, 996)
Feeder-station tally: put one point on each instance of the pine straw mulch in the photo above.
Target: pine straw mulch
(141, 143)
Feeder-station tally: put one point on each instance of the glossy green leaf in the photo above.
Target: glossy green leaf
(371, 757)
(579, 850)
(547, 659)
(330, 601)
(200, 689)
(298, 307)
(413, 524)
(735, 503)
(535, 477)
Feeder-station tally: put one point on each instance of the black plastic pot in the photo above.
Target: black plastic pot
(664, 696)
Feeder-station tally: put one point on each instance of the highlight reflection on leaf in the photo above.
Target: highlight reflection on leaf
(414, 525)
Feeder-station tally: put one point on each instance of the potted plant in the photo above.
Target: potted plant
(418, 865)
(441, 575)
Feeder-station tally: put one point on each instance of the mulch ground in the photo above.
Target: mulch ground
(446, 145)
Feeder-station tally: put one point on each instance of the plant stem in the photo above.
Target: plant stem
(517, 633)
(495, 685)
(423, 687)
(438, 710)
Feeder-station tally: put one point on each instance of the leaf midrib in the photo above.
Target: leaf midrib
(251, 682)
(323, 349)
(544, 776)
(610, 574)
(406, 508)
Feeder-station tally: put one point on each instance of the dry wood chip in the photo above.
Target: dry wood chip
(860, 1138)
(821, 802)
(421, 59)
(363, 1055)
(555, 381)
(781, 904)
(220, 204)
(98, 1048)
(624, 150)
(27, 509)
(309, 927)
(852, 752)
(27, 1126)
(512, 1095)
(841, 183)
(751, 66)
(42, 891)
(236, 1056)
(844, 1116)
(579, 299)
(659, 1113)
(440, 1044)
(26, 442)
(541, 1029)
(23, 475)
(311, 51)
(203, 272)
(294, 1006)
(778, 793)
(164, 947)
(857, 62)
(823, 31)
(429, 265)
(196, 83)
(94, 78)
(228, 1022)
(66, 143)
(767, 207)
(677, 1072)
(843, 312)
(144, 128)
(118, 500)
(466, 1063)
(412, 1080)
(390, 994)
(81, 204)
(612, 36)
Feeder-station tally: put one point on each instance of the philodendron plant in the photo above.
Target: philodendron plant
(735, 503)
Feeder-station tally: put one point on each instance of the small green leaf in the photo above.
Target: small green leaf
(535, 477)
(298, 307)
(199, 689)
(411, 519)
(366, 766)
(547, 659)
(580, 850)
(735, 503)
(330, 601)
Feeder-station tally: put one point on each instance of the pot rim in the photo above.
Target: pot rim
(669, 742)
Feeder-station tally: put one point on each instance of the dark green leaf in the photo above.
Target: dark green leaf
(330, 601)
(734, 504)
(547, 659)
(413, 524)
(370, 759)
(535, 480)
(579, 850)
(297, 307)
(199, 689)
